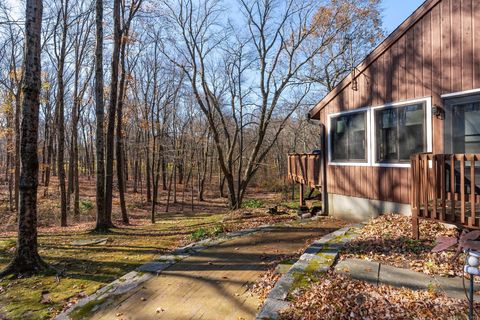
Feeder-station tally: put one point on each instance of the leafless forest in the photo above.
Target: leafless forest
(173, 101)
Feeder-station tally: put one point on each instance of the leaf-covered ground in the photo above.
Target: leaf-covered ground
(338, 297)
(388, 239)
(84, 269)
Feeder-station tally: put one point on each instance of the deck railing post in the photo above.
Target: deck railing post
(414, 196)
(302, 192)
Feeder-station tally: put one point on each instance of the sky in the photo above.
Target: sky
(396, 11)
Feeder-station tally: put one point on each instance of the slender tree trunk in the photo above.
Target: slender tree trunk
(119, 140)
(136, 165)
(17, 149)
(26, 258)
(203, 173)
(112, 109)
(48, 169)
(10, 160)
(170, 189)
(61, 118)
(148, 168)
(73, 164)
(164, 171)
(104, 222)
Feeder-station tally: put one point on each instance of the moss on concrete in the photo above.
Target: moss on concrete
(86, 310)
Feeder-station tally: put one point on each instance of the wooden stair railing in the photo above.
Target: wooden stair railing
(306, 169)
(442, 194)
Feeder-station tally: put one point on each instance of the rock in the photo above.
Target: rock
(273, 210)
(80, 243)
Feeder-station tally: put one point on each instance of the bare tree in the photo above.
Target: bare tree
(103, 221)
(60, 105)
(126, 23)
(275, 53)
(26, 258)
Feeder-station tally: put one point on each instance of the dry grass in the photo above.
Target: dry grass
(84, 269)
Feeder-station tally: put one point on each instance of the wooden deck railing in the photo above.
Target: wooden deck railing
(305, 169)
(446, 188)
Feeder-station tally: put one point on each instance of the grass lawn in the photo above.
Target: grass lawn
(84, 269)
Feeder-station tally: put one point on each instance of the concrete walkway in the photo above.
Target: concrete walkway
(213, 284)
(378, 273)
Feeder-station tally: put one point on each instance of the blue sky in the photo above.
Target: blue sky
(396, 11)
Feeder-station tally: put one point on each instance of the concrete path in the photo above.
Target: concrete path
(378, 273)
(213, 284)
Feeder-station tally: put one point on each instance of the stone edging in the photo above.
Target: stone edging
(133, 279)
(318, 257)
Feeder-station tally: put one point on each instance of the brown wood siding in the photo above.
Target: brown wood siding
(438, 54)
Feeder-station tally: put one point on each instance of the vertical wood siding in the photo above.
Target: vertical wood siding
(439, 54)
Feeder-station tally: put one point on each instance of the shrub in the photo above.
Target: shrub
(202, 233)
(86, 205)
(199, 234)
(217, 229)
(252, 204)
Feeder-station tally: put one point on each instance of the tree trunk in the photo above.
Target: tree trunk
(48, 169)
(203, 172)
(26, 258)
(112, 109)
(61, 118)
(17, 149)
(119, 141)
(148, 168)
(104, 222)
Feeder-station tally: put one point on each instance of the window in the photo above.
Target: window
(348, 137)
(462, 134)
(462, 125)
(400, 132)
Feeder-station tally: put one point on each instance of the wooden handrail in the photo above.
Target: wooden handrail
(445, 187)
(305, 169)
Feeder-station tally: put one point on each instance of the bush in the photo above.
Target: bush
(199, 234)
(252, 204)
(86, 205)
(202, 233)
(291, 204)
(218, 229)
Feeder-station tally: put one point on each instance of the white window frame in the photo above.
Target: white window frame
(428, 122)
(460, 93)
(367, 137)
(371, 136)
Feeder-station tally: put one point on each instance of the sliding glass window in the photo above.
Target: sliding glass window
(349, 137)
(400, 132)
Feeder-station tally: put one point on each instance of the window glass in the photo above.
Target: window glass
(466, 133)
(349, 137)
(400, 132)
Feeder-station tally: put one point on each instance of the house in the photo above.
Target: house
(417, 93)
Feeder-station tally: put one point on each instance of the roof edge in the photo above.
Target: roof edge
(395, 35)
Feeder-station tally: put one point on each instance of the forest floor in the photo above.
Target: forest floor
(83, 269)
